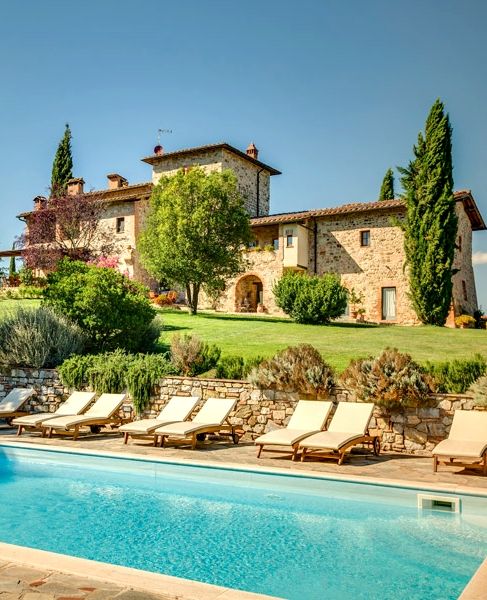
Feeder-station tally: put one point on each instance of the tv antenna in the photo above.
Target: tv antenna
(161, 132)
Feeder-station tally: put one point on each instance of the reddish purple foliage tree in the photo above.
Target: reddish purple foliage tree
(66, 226)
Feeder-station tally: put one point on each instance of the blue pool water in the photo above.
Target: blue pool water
(293, 537)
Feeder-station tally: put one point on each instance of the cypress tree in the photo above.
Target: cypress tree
(387, 187)
(62, 167)
(12, 267)
(431, 223)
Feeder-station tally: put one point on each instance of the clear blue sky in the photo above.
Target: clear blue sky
(331, 92)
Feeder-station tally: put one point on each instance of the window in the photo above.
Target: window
(275, 243)
(289, 238)
(365, 238)
(120, 227)
(253, 244)
(389, 304)
(464, 290)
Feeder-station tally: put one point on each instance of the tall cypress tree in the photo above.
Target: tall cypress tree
(431, 222)
(62, 167)
(387, 187)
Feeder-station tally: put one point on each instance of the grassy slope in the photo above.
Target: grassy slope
(251, 336)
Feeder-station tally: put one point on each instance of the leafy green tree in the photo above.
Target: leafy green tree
(112, 310)
(62, 167)
(195, 230)
(311, 299)
(387, 187)
(430, 227)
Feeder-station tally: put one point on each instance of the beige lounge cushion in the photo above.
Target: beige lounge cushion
(467, 437)
(74, 405)
(329, 440)
(461, 448)
(14, 400)
(213, 413)
(177, 409)
(284, 437)
(104, 408)
(350, 422)
(309, 416)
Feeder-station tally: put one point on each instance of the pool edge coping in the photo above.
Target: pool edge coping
(229, 466)
(476, 587)
(178, 588)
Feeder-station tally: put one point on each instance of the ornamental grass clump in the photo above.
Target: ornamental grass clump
(296, 369)
(391, 380)
(38, 338)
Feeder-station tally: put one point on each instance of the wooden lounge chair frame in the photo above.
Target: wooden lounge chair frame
(339, 455)
(226, 429)
(14, 415)
(94, 424)
(480, 465)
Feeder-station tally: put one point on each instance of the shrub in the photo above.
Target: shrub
(391, 380)
(38, 338)
(465, 321)
(112, 310)
(311, 299)
(112, 372)
(479, 391)
(143, 372)
(296, 369)
(191, 356)
(30, 291)
(456, 376)
(236, 367)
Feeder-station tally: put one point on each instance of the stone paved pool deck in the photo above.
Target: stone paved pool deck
(18, 581)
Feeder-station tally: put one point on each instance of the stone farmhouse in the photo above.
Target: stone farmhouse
(361, 241)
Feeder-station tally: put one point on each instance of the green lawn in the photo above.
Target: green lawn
(251, 336)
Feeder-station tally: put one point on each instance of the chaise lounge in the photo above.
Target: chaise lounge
(11, 404)
(176, 410)
(103, 412)
(77, 403)
(466, 442)
(309, 417)
(211, 418)
(348, 427)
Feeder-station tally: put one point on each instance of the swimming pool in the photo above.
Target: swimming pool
(288, 536)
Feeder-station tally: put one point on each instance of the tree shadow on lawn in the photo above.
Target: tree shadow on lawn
(268, 319)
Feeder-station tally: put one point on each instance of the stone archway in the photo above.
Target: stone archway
(249, 293)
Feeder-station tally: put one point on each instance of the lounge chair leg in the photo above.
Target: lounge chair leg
(341, 457)
(75, 434)
(19, 430)
(295, 453)
(125, 437)
(49, 433)
(259, 450)
(303, 454)
(435, 464)
(193, 443)
(163, 439)
(484, 470)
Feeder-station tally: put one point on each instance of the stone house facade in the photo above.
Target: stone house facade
(361, 242)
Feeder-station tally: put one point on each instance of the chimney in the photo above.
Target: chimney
(252, 151)
(75, 186)
(39, 202)
(116, 181)
(159, 150)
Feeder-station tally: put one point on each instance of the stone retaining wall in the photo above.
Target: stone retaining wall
(414, 431)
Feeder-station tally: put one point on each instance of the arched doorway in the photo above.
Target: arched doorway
(249, 292)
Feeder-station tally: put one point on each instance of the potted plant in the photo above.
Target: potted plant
(360, 318)
(355, 301)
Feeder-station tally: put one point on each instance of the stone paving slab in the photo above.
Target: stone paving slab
(23, 583)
